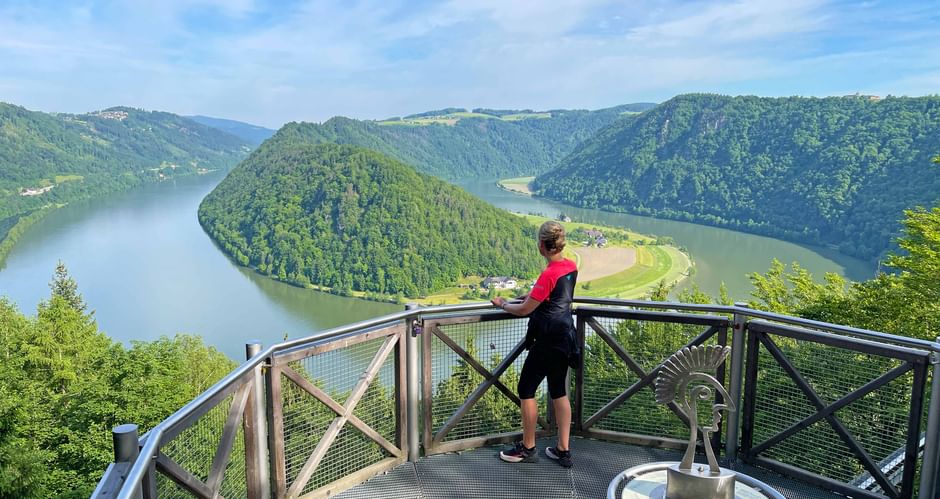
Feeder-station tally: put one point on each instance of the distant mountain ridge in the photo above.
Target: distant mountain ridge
(462, 144)
(352, 219)
(253, 134)
(49, 159)
(835, 171)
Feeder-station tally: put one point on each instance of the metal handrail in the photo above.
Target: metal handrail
(151, 440)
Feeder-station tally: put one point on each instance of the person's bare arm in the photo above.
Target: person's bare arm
(519, 309)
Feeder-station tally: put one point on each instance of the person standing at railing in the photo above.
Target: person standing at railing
(552, 346)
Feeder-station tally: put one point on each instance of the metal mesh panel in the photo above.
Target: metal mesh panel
(168, 489)
(606, 375)
(195, 447)
(878, 421)
(234, 483)
(306, 419)
(453, 379)
(351, 452)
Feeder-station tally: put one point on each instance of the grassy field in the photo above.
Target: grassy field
(68, 178)
(452, 118)
(654, 263)
(526, 116)
(569, 226)
(518, 184)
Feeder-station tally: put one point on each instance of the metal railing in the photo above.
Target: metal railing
(843, 408)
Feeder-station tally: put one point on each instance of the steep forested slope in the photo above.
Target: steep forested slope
(461, 145)
(837, 171)
(353, 219)
(61, 157)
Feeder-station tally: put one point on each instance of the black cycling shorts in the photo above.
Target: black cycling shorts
(544, 363)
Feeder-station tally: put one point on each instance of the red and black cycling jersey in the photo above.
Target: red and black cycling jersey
(550, 324)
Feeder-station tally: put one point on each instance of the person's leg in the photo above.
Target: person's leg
(563, 417)
(529, 380)
(530, 416)
(558, 390)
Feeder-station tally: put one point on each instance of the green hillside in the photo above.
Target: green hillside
(47, 160)
(834, 171)
(350, 219)
(453, 143)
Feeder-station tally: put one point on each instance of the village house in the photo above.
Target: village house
(35, 192)
(595, 237)
(499, 283)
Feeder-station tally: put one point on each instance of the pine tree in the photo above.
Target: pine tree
(65, 287)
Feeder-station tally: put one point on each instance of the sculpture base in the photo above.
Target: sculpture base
(648, 481)
(699, 483)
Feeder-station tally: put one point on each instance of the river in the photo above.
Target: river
(143, 263)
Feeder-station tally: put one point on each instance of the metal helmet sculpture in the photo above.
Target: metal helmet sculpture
(685, 379)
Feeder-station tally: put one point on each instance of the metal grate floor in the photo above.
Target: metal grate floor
(479, 474)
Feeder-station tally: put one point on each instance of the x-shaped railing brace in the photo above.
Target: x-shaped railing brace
(344, 414)
(827, 412)
(646, 378)
(490, 379)
(210, 489)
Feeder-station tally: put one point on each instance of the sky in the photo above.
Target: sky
(269, 63)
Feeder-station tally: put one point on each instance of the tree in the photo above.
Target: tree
(64, 384)
(65, 287)
(905, 302)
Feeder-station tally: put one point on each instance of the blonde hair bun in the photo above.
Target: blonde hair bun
(552, 235)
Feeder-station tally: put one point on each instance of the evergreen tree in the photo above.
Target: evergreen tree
(65, 287)
(64, 384)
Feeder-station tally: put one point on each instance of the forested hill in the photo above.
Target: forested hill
(452, 143)
(63, 157)
(353, 219)
(835, 171)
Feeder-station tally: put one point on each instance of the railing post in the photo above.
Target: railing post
(930, 467)
(411, 354)
(257, 477)
(126, 447)
(739, 326)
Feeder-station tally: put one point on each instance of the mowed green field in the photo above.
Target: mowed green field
(451, 119)
(654, 263)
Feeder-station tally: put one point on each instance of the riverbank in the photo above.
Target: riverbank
(9, 238)
(628, 265)
(518, 185)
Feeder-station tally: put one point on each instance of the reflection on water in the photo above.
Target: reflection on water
(144, 264)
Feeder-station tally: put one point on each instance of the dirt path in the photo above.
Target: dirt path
(602, 262)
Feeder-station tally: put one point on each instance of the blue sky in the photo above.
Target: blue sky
(273, 62)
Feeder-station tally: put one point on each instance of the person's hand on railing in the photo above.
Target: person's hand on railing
(520, 309)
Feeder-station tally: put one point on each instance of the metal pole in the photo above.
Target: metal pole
(930, 467)
(739, 326)
(126, 447)
(260, 426)
(411, 353)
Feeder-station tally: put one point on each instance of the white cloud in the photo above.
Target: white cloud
(376, 58)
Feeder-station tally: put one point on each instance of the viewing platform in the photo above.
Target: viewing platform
(417, 404)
